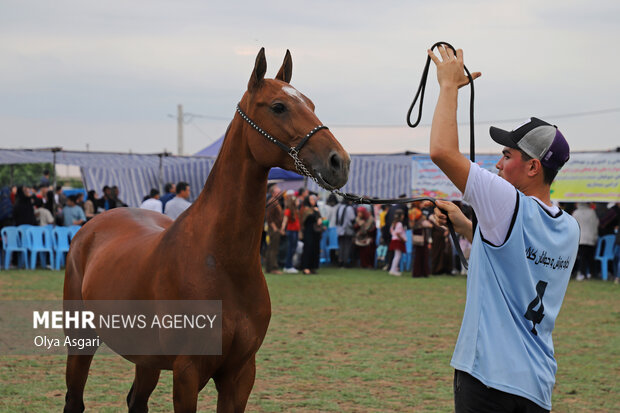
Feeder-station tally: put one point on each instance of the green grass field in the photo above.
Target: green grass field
(343, 341)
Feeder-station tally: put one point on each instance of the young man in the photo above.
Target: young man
(72, 213)
(179, 203)
(153, 202)
(523, 251)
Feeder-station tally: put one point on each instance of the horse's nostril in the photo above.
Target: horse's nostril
(335, 161)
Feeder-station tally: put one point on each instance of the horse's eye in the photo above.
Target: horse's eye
(278, 108)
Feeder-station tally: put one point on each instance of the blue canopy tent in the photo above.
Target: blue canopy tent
(274, 174)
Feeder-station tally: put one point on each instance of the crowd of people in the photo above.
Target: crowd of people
(375, 236)
(295, 221)
(368, 236)
(42, 204)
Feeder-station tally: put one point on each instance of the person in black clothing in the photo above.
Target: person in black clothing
(609, 220)
(107, 201)
(23, 210)
(312, 228)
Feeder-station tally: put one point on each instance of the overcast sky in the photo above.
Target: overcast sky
(108, 74)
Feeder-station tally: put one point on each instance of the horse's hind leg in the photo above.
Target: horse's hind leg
(76, 375)
(234, 387)
(143, 385)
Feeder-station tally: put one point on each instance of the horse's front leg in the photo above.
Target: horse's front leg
(234, 387)
(185, 385)
(143, 385)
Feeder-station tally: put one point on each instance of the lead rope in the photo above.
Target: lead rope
(472, 154)
(472, 144)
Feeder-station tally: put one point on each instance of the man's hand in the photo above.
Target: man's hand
(451, 69)
(462, 225)
(444, 145)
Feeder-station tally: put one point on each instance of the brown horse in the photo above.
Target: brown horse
(210, 252)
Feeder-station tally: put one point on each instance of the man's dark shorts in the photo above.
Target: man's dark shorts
(472, 396)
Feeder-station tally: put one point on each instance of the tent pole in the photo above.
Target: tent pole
(54, 150)
(161, 173)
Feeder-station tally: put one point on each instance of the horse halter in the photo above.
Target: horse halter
(293, 151)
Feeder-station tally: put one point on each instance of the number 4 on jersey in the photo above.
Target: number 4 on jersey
(536, 316)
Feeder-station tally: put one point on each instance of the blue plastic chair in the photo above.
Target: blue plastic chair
(23, 236)
(406, 261)
(73, 229)
(332, 240)
(11, 242)
(39, 243)
(324, 254)
(60, 243)
(605, 253)
(329, 242)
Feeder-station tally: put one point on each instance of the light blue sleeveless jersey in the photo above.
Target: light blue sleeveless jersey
(514, 294)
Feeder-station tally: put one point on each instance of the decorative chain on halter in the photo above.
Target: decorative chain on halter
(358, 199)
(292, 151)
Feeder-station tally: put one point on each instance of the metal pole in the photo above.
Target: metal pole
(180, 130)
(54, 150)
(54, 187)
(161, 174)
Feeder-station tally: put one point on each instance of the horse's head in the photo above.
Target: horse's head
(273, 109)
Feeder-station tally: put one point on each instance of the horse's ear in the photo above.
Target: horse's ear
(286, 71)
(258, 74)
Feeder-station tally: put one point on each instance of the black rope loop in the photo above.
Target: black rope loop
(420, 94)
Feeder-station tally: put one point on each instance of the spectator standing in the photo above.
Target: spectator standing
(312, 225)
(23, 210)
(330, 209)
(152, 202)
(398, 241)
(115, 196)
(365, 235)
(302, 193)
(169, 193)
(273, 217)
(609, 220)
(421, 239)
(107, 202)
(588, 223)
(441, 249)
(290, 224)
(179, 203)
(59, 198)
(45, 178)
(345, 219)
(389, 218)
(79, 200)
(72, 214)
(383, 227)
(90, 205)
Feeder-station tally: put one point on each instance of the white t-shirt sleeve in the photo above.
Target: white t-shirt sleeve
(493, 200)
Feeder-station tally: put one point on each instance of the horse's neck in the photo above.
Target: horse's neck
(232, 202)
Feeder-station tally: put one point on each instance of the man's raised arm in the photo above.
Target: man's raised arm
(444, 146)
